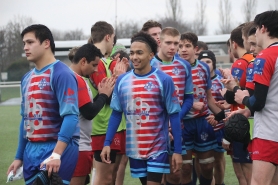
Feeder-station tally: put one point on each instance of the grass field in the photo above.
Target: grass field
(8, 142)
(9, 92)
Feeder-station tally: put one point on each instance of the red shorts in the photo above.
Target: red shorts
(117, 144)
(84, 164)
(264, 150)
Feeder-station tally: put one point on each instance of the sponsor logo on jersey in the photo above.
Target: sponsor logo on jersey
(259, 66)
(69, 92)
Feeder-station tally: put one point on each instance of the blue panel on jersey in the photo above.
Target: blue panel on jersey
(237, 73)
(259, 66)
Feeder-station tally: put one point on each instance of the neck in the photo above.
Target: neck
(241, 52)
(76, 69)
(192, 61)
(212, 73)
(164, 58)
(101, 47)
(45, 60)
(144, 71)
(269, 41)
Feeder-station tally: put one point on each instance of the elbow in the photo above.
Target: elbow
(258, 106)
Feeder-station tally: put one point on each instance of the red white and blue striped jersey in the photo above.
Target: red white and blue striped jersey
(180, 71)
(47, 96)
(146, 101)
(215, 92)
(201, 84)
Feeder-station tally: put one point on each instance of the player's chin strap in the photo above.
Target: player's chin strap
(207, 160)
(52, 157)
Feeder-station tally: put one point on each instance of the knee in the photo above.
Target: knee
(207, 165)
(187, 167)
(174, 177)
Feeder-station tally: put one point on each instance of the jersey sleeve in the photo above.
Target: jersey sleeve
(249, 76)
(83, 95)
(263, 70)
(209, 83)
(115, 102)
(97, 77)
(189, 81)
(170, 96)
(239, 71)
(64, 84)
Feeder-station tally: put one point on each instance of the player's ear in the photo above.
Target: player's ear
(46, 43)
(83, 61)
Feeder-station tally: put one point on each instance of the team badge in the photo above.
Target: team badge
(204, 136)
(176, 71)
(42, 83)
(149, 86)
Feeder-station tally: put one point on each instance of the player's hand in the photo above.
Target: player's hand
(176, 162)
(222, 104)
(226, 145)
(14, 166)
(106, 86)
(245, 112)
(239, 95)
(199, 106)
(226, 73)
(121, 66)
(52, 163)
(223, 92)
(210, 119)
(230, 83)
(105, 154)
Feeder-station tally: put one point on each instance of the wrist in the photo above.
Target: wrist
(235, 89)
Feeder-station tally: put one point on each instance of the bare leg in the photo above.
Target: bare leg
(262, 173)
(78, 180)
(121, 171)
(219, 167)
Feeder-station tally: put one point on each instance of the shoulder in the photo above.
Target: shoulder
(163, 76)
(182, 61)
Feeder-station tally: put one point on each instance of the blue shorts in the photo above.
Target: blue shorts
(140, 168)
(199, 135)
(240, 155)
(219, 134)
(171, 149)
(36, 152)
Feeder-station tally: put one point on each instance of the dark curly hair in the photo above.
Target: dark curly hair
(145, 38)
(89, 51)
(270, 21)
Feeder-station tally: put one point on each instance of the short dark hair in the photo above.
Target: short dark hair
(99, 30)
(228, 42)
(190, 36)
(150, 24)
(203, 45)
(89, 51)
(270, 21)
(236, 36)
(147, 39)
(42, 33)
(245, 29)
(122, 54)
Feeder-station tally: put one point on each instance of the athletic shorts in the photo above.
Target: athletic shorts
(84, 164)
(239, 154)
(199, 135)
(219, 134)
(36, 152)
(171, 148)
(140, 168)
(264, 150)
(117, 144)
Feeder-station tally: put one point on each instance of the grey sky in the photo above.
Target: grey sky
(71, 14)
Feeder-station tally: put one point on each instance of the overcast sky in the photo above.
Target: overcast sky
(71, 14)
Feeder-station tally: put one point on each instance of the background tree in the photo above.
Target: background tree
(174, 10)
(199, 25)
(125, 29)
(225, 24)
(249, 9)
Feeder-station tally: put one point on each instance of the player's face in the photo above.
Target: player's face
(245, 43)
(209, 63)
(140, 56)
(155, 33)
(89, 68)
(34, 50)
(169, 46)
(187, 50)
(255, 49)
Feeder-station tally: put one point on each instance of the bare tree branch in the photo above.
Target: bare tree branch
(199, 25)
(249, 9)
(174, 9)
(225, 17)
